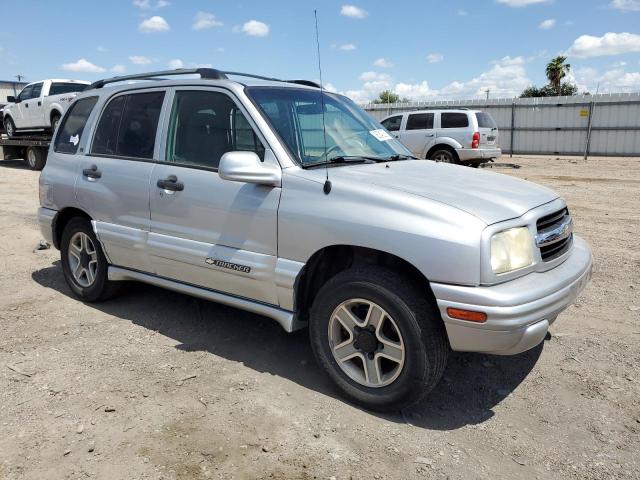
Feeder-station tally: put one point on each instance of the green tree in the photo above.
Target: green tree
(556, 70)
(387, 96)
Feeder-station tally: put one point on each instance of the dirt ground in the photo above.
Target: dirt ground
(155, 384)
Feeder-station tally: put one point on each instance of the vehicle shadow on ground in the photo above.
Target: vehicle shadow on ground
(472, 384)
(16, 164)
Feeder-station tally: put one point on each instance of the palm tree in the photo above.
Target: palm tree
(556, 71)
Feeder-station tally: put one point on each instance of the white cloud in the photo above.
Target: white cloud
(418, 91)
(253, 28)
(617, 80)
(521, 3)
(102, 49)
(154, 24)
(83, 65)
(609, 44)
(374, 76)
(140, 60)
(382, 63)
(347, 47)
(629, 5)
(176, 63)
(118, 68)
(547, 24)
(352, 11)
(147, 5)
(205, 20)
(462, 12)
(435, 57)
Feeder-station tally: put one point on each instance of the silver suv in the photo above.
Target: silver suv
(452, 136)
(284, 200)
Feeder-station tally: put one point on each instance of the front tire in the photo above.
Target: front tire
(378, 338)
(9, 127)
(444, 155)
(55, 119)
(83, 262)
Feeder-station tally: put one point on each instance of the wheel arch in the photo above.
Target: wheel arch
(54, 111)
(451, 146)
(331, 260)
(61, 220)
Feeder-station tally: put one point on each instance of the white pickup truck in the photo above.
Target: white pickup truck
(40, 105)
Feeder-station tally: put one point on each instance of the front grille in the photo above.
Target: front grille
(554, 249)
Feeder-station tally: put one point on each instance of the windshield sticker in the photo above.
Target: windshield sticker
(381, 135)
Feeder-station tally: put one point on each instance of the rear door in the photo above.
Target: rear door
(418, 134)
(206, 231)
(34, 106)
(114, 183)
(456, 125)
(487, 128)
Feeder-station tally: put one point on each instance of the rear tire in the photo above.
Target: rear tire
(83, 262)
(407, 328)
(444, 155)
(9, 127)
(36, 157)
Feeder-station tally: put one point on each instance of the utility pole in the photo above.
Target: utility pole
(19, 77)
(487, 92)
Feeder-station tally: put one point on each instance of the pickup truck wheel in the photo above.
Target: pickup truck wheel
(444, 156)
(9, 127)
(83, 262)
(36, 157)
(378, 338)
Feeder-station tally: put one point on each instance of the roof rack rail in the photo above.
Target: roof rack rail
(205, 73)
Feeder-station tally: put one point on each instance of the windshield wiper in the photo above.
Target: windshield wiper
(398, 156)
(346, 159)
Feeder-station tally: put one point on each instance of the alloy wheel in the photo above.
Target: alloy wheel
(83, 259)
(366, 343)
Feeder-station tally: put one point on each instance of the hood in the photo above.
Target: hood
(491, 197)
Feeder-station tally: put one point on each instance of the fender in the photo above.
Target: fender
(448, 141)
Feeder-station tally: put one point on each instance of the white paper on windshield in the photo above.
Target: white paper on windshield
(381, 135)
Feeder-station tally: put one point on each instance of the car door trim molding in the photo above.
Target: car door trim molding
(285, 318)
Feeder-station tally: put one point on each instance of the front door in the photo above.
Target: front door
(418, 134)
(206, 231)
(34, 106)
(21, 117)
(113, 186)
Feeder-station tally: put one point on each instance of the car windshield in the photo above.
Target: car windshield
(296, 114)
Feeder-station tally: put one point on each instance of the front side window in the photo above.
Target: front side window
(72, 126)
(314, 135)
(128, 126)
(453, 120)
(420, 121)
(58, 88)
(25, 94)
(206, 125)
(392, 124)
(37, 90)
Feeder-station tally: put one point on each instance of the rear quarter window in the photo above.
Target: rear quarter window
(454, 120)
(485, 120)
(72, 125)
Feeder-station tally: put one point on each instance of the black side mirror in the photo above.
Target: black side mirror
(11, 99)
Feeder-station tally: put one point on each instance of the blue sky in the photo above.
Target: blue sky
(422, 49)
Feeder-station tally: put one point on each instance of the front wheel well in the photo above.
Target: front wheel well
(62, 218)
(329, 261)
(442, 146)
(54, 113)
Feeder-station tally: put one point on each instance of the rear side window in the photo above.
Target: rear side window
(485, 120)
(128, 126)
(392, 124)
(453, 120)
(420, 121)
(72, 126)
(58, 88)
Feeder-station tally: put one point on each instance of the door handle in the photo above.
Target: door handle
(39, 104)
(428, 135)
(26, 105)
(171, 184)
(92, 173)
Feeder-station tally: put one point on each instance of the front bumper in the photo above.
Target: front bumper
(520, 311)
(467, 154)
(45, 220)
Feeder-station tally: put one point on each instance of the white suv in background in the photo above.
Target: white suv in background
(452, 136)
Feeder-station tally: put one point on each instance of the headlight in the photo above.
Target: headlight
(511, 249)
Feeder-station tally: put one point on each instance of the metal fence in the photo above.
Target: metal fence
(605, 125)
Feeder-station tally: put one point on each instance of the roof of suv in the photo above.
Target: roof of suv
(207, 76)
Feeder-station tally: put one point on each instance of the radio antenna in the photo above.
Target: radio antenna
(327, 183)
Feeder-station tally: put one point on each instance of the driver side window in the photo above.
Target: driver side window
(25, 94)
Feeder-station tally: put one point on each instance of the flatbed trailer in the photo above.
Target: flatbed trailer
(31, 148)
